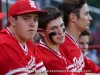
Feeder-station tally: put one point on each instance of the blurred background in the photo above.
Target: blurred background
(94, 7)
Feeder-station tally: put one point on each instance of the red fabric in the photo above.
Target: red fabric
(13, 57)
(91, 67)
(55, 63)
(24, 6)
(73, 53)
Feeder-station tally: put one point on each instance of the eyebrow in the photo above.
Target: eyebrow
(87, 12)
(62, 24)
(27, 15)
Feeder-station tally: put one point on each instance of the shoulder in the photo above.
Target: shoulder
(7, 39)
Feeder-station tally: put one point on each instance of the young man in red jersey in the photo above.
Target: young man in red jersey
(76, 19)
(52, 30)
(18, 56)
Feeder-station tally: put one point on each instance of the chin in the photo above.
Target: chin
(30, 38)
(61, 42)
(87, 27)
(84, 29)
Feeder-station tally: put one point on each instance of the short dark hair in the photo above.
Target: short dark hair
(84, 33)
(53, 13)
(71, 6)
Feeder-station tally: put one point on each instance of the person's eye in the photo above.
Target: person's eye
(62, 26)
(53, 28)
(80, 42)
(36, 19)
(26, 18)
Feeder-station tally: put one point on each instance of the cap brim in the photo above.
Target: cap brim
(2, 15)
(41, 13)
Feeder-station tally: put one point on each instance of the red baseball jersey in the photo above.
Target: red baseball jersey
(55, 62)
(73, 53)
(16, 59)
(90, 66)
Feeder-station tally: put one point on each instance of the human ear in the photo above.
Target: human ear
(12, 21)
(42, 33)
(72, 17)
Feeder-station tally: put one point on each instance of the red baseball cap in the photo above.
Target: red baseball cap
(2, 15)
(24, 6)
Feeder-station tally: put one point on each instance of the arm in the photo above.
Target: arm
(90, 67)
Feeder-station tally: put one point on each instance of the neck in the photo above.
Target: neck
(73, 30)
(52, 46)
(12, 30)
(75, 34)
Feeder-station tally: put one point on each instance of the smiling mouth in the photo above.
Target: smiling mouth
(60, 37)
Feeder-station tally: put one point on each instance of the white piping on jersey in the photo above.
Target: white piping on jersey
(78, 64)
(57, 53)
(41, 70)
(9, 32)
(24, 49)
(45, 46)
(18, 70)
(31, 64)
(23, 74)
(72, 39)
(39, 64)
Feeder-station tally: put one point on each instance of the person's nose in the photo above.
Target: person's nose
(90, 18)
(60, 30)
(33, 23)
(85, 46)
